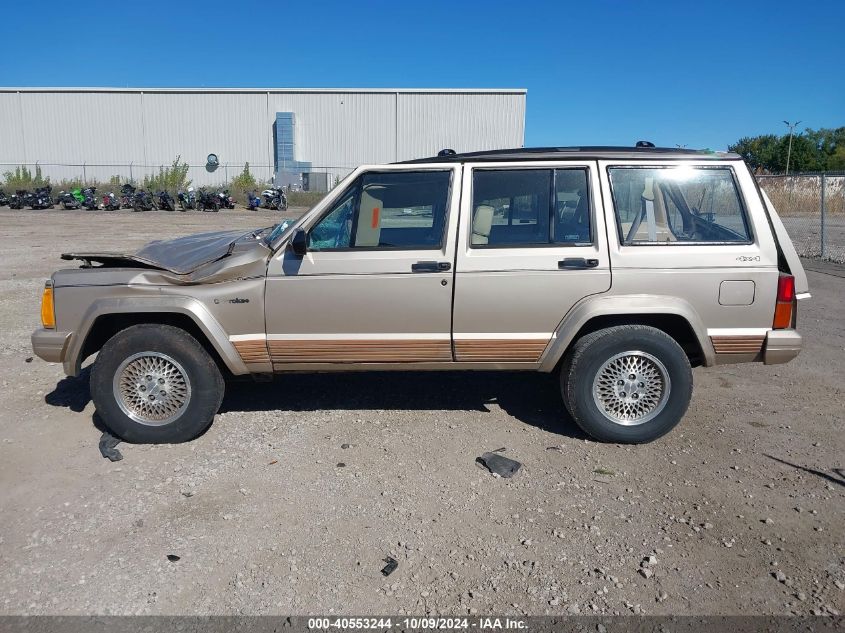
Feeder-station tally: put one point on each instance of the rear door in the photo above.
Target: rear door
(532, 244)
(376, 283)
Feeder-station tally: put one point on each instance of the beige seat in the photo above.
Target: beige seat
(368, 232)
(655, 226)
(482, 223)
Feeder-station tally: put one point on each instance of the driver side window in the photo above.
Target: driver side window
(335, 229)
(402, 210)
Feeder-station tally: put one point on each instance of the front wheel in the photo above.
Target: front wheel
(156, 384)
(629, 384)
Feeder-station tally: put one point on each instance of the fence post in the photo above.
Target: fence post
(824, 178)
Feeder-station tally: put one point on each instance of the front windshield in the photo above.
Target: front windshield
(277, 231)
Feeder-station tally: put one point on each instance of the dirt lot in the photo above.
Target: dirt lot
(741, 506)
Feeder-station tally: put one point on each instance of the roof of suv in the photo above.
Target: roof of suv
(590, 152)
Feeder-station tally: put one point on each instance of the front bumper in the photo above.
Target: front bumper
(50, 345)
(781, 346)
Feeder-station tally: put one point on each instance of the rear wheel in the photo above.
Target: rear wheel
(628, 384)
(156, 384)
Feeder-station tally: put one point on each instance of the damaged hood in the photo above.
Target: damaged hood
(180, 256)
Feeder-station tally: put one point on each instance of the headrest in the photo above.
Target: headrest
(482, 221)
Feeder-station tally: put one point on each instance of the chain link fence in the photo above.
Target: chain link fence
(63, 175)
(812, 207)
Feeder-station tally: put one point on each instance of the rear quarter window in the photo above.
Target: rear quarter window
(678, 205)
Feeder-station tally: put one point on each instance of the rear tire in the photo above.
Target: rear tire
(607, 403)
(155, 384)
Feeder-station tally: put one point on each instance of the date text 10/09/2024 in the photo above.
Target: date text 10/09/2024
(430, 623)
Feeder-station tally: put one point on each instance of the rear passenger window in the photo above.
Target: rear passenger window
(530, 207)
(677, 205)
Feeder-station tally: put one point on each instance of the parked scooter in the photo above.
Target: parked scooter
(127, 196)
(42, 199)
(208, 201)
(253, 202)
(111, 202)
(187, 200)
(226, 201)
(274, 198)
(67, 200)
(143, 201)
(89, 199)
(18, 199)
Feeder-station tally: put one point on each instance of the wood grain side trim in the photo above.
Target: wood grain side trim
(360, 351)
(751, 344)
(511, 350)
(252, 351)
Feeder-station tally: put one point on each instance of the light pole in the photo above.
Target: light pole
(789, 151)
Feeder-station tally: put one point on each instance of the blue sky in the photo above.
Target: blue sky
(700, 74)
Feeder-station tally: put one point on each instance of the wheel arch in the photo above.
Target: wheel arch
(107, 317)
(674, 316)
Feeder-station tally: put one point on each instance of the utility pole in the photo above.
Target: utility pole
(791, 127)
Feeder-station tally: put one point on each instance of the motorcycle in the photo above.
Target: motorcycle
(226, 201)
(18, 199)
(208, 201)
(165, 201)
(67, 200)
(127, 196)
(187, 200)
(143, 201)
(89, 199)
(274, 198)
(253, 202)
(4, 200)
(111, 202)
(42, 199)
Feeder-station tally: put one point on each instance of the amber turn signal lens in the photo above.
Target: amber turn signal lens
(48, 314)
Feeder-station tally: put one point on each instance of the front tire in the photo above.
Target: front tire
(155, 384)
(629, 384)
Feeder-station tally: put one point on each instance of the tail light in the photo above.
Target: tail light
(785, 304)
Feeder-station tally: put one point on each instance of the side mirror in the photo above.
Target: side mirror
(299, 242)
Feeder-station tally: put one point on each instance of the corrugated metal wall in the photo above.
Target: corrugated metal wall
(103, 132)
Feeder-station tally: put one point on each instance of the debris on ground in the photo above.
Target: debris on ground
(391, 566)
(108, 443)
(341, 465)
(173, 558)
(498, 465)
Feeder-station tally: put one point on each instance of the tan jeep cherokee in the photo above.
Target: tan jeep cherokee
(619, 269)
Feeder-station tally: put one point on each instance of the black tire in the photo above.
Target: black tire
(646, 344)
(191, 417)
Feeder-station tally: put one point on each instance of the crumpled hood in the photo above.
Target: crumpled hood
(180, 256)
(184, 255)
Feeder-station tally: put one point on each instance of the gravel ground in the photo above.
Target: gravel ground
(291, 500)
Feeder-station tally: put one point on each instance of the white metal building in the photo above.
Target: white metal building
(100, 132)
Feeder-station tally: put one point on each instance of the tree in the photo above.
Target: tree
(812, 150)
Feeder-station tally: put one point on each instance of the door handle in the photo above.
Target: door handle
(430, 267)
(576, 263)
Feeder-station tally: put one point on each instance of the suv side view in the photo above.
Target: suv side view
(619, 269)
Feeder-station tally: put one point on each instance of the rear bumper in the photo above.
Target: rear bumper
(781, 346)
(50, 345)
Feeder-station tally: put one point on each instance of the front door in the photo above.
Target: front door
(376, 283)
